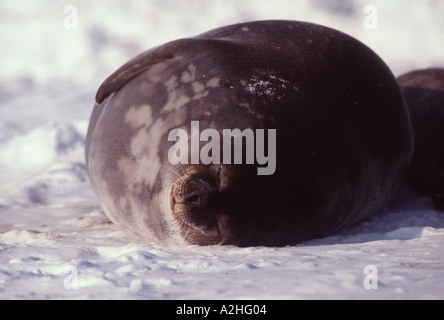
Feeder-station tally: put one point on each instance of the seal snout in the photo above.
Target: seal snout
(189, 201)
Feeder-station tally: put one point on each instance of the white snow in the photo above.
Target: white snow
(55, 243)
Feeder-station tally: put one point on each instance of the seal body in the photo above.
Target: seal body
(424, 94)
(342, 144)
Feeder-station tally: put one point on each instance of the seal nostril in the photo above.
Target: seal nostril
(193, 198)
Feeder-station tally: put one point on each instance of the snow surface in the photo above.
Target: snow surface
(55, 243)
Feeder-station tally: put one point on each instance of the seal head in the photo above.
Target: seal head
(424, 93)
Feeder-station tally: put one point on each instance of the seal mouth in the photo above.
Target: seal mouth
(213, 233)
(196, 234)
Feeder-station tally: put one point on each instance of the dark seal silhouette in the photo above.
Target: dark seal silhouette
(342, 149)
(424, 93)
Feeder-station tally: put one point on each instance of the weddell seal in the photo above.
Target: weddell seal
(259, 133)
(424, 94)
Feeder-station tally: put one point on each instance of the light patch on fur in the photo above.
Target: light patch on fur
(146, 164)
(213, 83)
(139, 143)
(155, 73)
(199, 88)
(139, 116)
(190, 75)
(200, 94)
(176, 97)
(145, 144)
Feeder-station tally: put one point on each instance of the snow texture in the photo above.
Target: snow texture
(55, 243)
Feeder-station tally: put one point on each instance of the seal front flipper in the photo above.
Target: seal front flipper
(136, 66)
(185, 47)
(438, 192)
